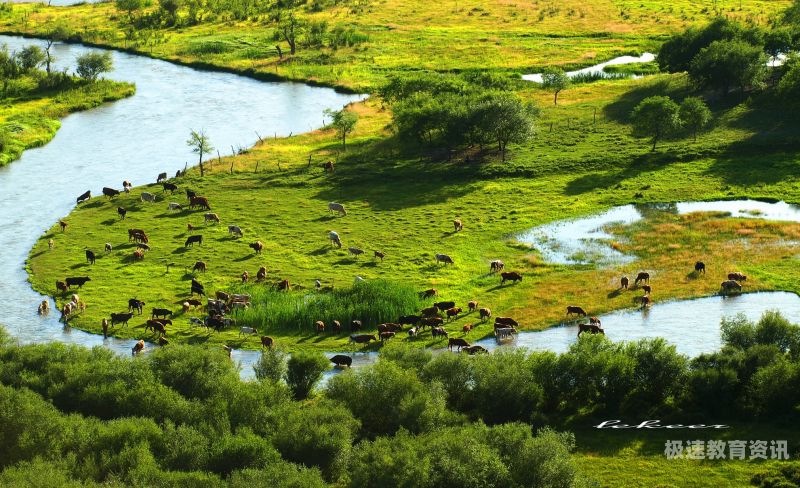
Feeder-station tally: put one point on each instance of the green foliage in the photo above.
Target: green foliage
(677, 54)
(694, 115)
(641, 69)
(30, 58)
(304, 371)
(656, 117)
(201, 145)
(271, 365)
(724, 64)
(344, 122)
(92, 64)
(555, 80)
(789, 86)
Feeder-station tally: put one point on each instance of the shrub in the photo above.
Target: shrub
(271, 366)
(304, 371)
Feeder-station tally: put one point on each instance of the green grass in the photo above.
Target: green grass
(650, 68)
(30, 114)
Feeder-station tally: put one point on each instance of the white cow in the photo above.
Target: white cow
(337, 207)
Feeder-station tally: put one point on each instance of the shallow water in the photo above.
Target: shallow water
(598, 68)
(583, 240)
(134, 139)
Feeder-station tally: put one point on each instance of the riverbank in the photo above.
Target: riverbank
(31, 115)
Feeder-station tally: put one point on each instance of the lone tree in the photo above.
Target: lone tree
(289, 29)
(200, 145)
(30, 58)
(304, 371)
(694, 115)
(90, 65)
(509, 120)
(656, 117)
(344, 121)
(556, 80)
(58, 33)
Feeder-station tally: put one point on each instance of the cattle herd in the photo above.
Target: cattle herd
(223, 304)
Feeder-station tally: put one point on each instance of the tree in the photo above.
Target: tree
(289, 29)
(171, 7)
(271, 365)
(305, 370)
(789, 86)
(90, 65)
(30, 58)
(58, 33)
(344, 121)
(694, 115)
(508, 120)
(129, 6)
(656, 117)
(200, 145)
(729, 63)
(556, 80)
(777, 42)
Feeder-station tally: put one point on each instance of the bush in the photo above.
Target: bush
(304, 371)
(271, 366)
(92, 64)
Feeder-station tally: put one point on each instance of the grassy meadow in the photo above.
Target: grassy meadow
(30, 114)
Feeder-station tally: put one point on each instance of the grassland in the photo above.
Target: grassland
(509, 36)
(30, 114)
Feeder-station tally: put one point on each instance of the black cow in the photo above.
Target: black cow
(197, 287)
(169, 186)
(342, 360)
(192, 239)
(161, 177)
(121, 212)
(135, 304)
(190, 194)
(161, 312)
(78, 281)
(409, 319)
(90, 256)
(110, 192)
(444, 305)
(84, 197)
(120, 318)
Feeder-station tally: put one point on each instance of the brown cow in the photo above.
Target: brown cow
(623, 282)
(199, 266)
(380, 255)
(646, 289)
(458, 342)
(594, 321)
(510, 276)
(453, 313)
(61, 286)
(385, 336)
(731, 285)
(138, 255)
(485, 314)
(137, 348)
(257, 246)
(438, 332)
(472, 305)
(430, 311)
(736, 276)
(63, 225)
(245, 276)
(328, 167)
(284, 285)
(319, 326)
(476, 349)
(496, 266)
(432, 321)
(505, 322)
(390, 327)
(267, 342)
(594, 329)
(458, 225)
(262, 274)
(201, 202)
(221, 295)
(431, 292)
(575, 310)
(104, 324)
(466, 328)
(643, 276)
(645, 301)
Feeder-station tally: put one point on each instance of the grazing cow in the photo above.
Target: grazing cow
(84, 197)
(171, 187)
(476, 349)
(429, 293)
(328, 167)
(337, 326)
(510, 276)
(453, 312)
(443, 258)
(623, 282)
(174, 206)
(502, 333)
(120, 318)
(78, 281)
(248, 331)
(261, 275)
(432, 321)
(201, 202)
(63, 225)
(137, 348)
(267, 342)
(161, 312)
(90, 257)
(413, 332)
(505, 322)
(342, 360)
(355, 325)
(319, 326)
(442, 306)
(148, 197)
(430, 311)
(199, 266)
(335, 240)
(155, 326)
(472, 305)
(51, 244)
(138, 255)
(221, 295)
(575, 310)
(284, 285)
(161, 177)
(496, 266)
(121, 212)
(190, 194)
(390, 327)
(466, 328)
(458, 342)
(385, 336)
(731, 285)
(438, 332)
(197, 288)
(190, 227)
(380, 255)
(594, 321)
(457, 225)
(145, 247)
(109, 247)
(211, 217)
(408, 319)
(194, 303)
(192, 239)
(257, 246)
(235, 230)
(647, 289)
(592, 328)
(337, 207)
(737, 276)
(355, 251)
(44, 308)
(110, 192)
(362, 338)
(137, 305)
(645, 301)
(700, 266)
(162, 341)
(61, 286)
(485, 314)
(245, 276)
(643, 276)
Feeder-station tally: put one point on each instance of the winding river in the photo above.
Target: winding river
(135, 139)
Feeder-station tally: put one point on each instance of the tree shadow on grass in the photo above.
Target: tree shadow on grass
(321, 251)
(615, 293)
(109, 221)
(181, 250)
(246, 257)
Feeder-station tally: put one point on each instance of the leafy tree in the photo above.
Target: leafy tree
(129, 6)
(677, 53)
(200, 145)
(344, 122)
(556, 80)
(508, 120)
(777, 41)
(171, 7)
(91, 64)
(656, 117)
(695, 115)
(30, 58)
(289, 28)
(724, 64)
(305, 371)
(789, 86)
(271, 365)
